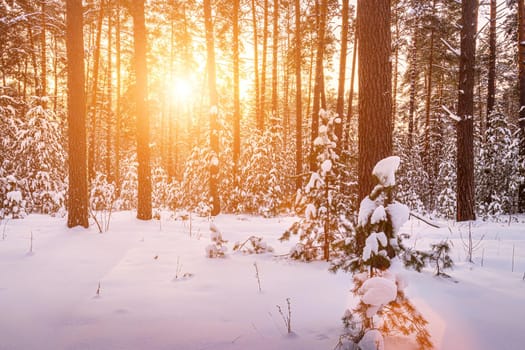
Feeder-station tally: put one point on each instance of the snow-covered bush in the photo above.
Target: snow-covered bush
(497, 169)
(13, 205)
(262, 185)
(383, 307)
(128, 191)
(253, 245)
(32, 152)
(217, 249)
(101, 201)
(322, 201)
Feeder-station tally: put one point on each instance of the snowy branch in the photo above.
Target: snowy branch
(451, 114)
(456, 52)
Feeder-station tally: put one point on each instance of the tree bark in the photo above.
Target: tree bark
(214, 106)
(143, 151)
(491, 80)
(465, 127)
(298, 99)
(342, 74)
(351, 92)
(236, 93)
(263, 68)
(375, 89)
(275, 51)
(43, 51)
(258, 116)
(77, 154)
(318, 83)
(92, 156)
(521, 59)
(117, 102)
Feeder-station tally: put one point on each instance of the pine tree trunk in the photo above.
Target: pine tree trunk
(118, 120)
(396, 61)
(43, 51)
(318, 83)
(413, 77)
(342, 74)
(77, 155)
(491, 80)
(236, 93)
(298, 99)
(351, 92)
(92, 156)
(143, 152)
(263, 67)
(275, 51)
(214, 105)
(109, 112)
(375, 89)
(428, 127)
(465, 127)
(521, 59)
(258, 116)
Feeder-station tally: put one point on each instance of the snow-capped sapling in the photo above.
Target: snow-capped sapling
(218, 247)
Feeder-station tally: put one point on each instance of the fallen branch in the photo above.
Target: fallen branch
(426, 221)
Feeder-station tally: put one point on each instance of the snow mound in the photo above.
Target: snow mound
(378, 291)
(366, 209)
(399, 214)
(378, 215)
(385, 170)
(372, 244)
(372, 340)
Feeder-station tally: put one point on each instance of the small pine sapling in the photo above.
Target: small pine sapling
(383, 307)
(218, 247)
(440, 258)
(253, 245)
(322, 201)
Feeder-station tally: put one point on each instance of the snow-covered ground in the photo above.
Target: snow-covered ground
(158, 290)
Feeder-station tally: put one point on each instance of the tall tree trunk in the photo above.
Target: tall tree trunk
(92, 156)
(36, 79)
(375, 89)
(258, 116)
(236, 93)
(396, 61)
(77, 158)
(351, 92)
(263, 67)
(465, 127)
(118, 120)
(521, 59)
(342, 74)
(109, 112)
(491, 82)
(275, 51)
(298, 99)
(214, 105)
(43, 51)
(318, 84)
(413, 78)
(428, 126)
(55, 74)
(141, 88)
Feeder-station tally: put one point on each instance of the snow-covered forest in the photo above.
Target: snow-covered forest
(266, 174)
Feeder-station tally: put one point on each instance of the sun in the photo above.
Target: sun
(180, 89)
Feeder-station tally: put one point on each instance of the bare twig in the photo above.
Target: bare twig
(257, 276)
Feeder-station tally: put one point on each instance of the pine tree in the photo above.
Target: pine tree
(78, 187)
